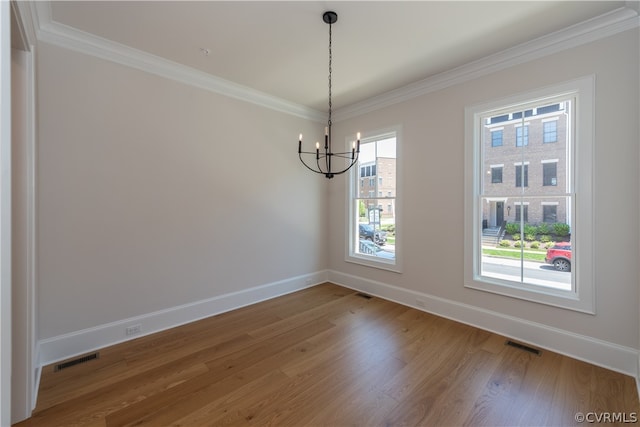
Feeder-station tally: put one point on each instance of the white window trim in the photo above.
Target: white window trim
(582, 297)
(351, 224)
(550, 161)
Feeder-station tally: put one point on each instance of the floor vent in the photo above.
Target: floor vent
(76, 361)
(523, 347)
(365, 296)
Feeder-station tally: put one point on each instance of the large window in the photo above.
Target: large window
(373, 236)
(544, 249)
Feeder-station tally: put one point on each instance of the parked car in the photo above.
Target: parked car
(367, 232)
(370, 248)
(560, 256)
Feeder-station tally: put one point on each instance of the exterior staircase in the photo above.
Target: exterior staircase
(491, 236)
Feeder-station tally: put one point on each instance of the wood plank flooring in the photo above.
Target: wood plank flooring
(327, 356)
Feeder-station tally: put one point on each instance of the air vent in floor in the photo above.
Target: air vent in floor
(76, 361)
(361, 295)
(523, 347)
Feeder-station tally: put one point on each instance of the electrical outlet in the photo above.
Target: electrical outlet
(133, 330)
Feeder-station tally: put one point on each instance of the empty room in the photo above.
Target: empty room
(246, 213)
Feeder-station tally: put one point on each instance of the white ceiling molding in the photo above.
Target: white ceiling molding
(591, 30)
(24, 15)
(58, 34)
(62, 35)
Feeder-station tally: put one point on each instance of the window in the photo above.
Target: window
(496, 138)
(558, 205)
(549, 173)
(373, 237)
(550, 131)
(522, 213)
(496, 174)
(522, 135)
(549, 213)
(522, 180)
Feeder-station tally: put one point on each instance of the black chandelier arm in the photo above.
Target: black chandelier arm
(327, 172)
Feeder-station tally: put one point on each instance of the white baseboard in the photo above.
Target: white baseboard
(65, 346)
(598, 352)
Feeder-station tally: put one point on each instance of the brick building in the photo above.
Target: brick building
(525, 158)
(378, 183)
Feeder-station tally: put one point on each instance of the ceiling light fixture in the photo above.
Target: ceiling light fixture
(323, 161)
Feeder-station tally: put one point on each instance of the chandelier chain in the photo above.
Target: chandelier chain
(330, 72)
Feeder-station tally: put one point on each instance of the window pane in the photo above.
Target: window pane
(522, 136)
(550, 132)
(374, 201)
(496, 175)
(549, 174)
(496, 138)
(526, 210)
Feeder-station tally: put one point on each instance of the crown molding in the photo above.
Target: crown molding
(606, 25)
(52, 32)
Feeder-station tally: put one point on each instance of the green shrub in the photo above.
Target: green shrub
(530, 237)
(534, 245)
(545, 238)
(561, 229)
(530, 229)
(515, 236)
(505, 243)
(517, 244)
(512, 228)
(544, 228)
(548, 245)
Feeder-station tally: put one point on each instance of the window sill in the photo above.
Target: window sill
(374, 263)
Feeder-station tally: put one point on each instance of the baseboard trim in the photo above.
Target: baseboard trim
(65, 346)
(598, 352)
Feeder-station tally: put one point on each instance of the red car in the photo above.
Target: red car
(560, 256)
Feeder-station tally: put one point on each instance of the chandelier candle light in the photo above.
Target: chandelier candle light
(323, 160)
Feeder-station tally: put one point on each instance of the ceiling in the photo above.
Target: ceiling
(281, 48)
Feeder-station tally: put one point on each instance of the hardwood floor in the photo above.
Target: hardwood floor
(327, 356)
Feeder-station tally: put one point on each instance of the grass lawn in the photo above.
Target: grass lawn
(528, 254)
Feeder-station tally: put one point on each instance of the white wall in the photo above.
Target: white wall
(153, 195)
(433, 154)
(5, 215)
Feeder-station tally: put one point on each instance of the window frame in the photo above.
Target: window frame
(582, 295)
(351, 203)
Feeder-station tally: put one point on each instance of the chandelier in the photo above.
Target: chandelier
(323, 159)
